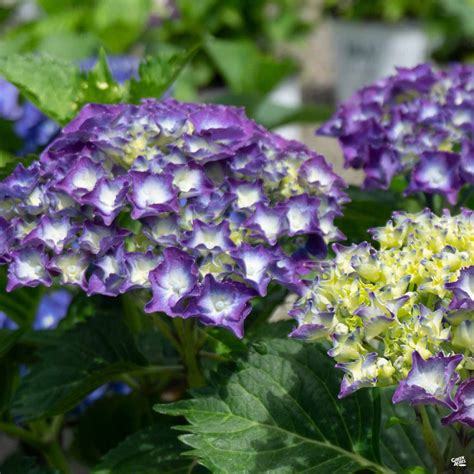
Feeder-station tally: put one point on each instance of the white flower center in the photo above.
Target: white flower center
(247, 196)
(152, 191)
(85, 178)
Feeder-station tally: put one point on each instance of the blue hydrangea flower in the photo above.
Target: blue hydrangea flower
(418, 123)
(194, 203)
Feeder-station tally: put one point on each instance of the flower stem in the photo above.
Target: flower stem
(20, 433)
(430, 439)
(188, 337)
(55, 457)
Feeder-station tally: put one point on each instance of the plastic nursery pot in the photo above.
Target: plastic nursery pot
(368, 51)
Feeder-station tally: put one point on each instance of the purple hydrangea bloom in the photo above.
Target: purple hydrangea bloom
(429, 381)
(464, 401)
(195, 204)
(418, 123)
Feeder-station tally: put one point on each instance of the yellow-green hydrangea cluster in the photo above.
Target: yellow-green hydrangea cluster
(415, 294)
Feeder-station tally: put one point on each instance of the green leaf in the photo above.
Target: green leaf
(9, 162)
(157, 74)
(83, 358)
(151, 450)
(8, 339)
(371, 208)
(18, 464)
(278, 411)
(21, 304)
(401, 443)
(119, 23)
(51, 84)
(99, 429)
(272, 115)
(9, 378)
(98, 85)
(245, 68)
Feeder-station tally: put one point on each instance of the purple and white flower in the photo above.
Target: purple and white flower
(28, 267)
(173, 280)
(429, 381)
(223, 304)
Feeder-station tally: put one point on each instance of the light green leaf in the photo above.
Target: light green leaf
(158, 73)
(151, 450)
(51, 84)
(119, 23)
(98, 85)
(82, 359)
(245, 68)
(278, 411)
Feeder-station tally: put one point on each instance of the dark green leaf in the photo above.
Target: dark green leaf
(7, 340)
(99, 429)
(51, 84)
(83, 358)
(9, 378)
(278, 412)
(18, 464)
(149, 451)
(245, 68)
(369, 209)
(158, 73)
(401, 443)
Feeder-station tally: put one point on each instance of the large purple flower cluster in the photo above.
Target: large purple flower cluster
(418, 122)
(195, 202)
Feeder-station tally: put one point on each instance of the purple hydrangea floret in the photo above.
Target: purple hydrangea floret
(464, 401)
(195, 205)
(418, 123)
(429, 381)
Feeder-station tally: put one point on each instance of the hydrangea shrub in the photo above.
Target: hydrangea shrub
(418, 123)
(401, 314)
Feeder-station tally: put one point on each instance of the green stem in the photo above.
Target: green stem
(47, 444)
(55, 457)
(20, 433)
(166, 331)
(186, 330)
(430, 439)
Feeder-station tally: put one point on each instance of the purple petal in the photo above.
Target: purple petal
(429, 381)
(223, 304)
(28, 268)
(464, 401)
(151, 194)
(173, 280)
